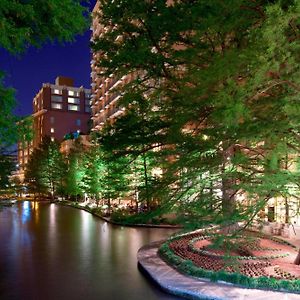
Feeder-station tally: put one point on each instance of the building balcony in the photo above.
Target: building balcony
(115, 112)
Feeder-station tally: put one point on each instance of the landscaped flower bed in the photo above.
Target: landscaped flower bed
(252, 259)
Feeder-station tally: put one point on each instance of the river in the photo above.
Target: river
(49, 251)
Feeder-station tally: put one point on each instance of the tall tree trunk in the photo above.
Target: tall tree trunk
(286, 203)
(297, 260)
(146, 182)
(109, 206)
(228, 191)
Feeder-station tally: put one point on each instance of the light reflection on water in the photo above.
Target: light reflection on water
(55, 252)
(26, 214)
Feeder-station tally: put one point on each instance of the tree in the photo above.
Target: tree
(32, 23)
(75, 171)
(7, 165)
(45, 169)
(216, 88)
(114, 179)
(26, 23)
(33, 177)
(94, 167)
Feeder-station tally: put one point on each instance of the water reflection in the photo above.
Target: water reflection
(36, 211)
(26, 215)
(53, 252)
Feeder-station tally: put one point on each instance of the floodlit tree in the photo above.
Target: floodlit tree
(45, 168)
(216, 89)
(114, 180)
(33, 179)
(94, 168)
(75, 171)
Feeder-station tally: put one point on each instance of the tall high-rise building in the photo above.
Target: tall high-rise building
(58, 109)
(104, 96)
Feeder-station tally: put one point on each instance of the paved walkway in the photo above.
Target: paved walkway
(188, 287)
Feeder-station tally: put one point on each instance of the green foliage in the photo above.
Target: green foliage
(45, 169)
(216, 92)
(7, 165)
(7, 120)
(114, 180)
(25, 23)
(93, 173)
(74, 172)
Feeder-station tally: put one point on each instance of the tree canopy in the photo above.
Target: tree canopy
(27, 23)
(45, 169)
(216, 91)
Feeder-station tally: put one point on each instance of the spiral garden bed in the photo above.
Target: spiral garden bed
(251, 259)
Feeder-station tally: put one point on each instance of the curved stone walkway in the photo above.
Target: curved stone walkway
(188, 287)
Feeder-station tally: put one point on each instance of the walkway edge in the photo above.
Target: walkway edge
(178, 284)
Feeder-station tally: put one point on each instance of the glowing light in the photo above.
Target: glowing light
(26, 214)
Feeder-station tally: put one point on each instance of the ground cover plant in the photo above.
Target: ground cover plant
(250, 259)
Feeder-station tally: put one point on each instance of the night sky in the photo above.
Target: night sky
(36, 66)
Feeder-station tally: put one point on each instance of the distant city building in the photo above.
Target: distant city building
(58, 109)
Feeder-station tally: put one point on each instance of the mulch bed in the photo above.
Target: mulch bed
(251, 254)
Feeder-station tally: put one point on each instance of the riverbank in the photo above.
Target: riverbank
(181, 285)
(107, 219)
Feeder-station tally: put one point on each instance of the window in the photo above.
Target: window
(78, 122)
(87, 101)
(56, 91)
(56, 98)
(73, 93)
(73, 107)
(52, 130)
(73, 100)
(87, 109)
(52, 120)
(52, 139)
(56, 105)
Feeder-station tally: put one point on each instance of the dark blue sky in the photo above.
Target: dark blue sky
(36, 66)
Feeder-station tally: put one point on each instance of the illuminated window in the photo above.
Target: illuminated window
(73, 100)
(52, 130)
(73, 107)
(56, 98)
(73, 93)
(52, 139)
(56, 91)
(56, 105)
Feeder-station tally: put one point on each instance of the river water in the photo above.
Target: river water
(49, 251)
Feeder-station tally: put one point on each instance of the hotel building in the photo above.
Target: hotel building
(104, 90)
(58, 109)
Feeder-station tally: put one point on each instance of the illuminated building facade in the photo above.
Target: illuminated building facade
(104, 96)
(58, 109)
